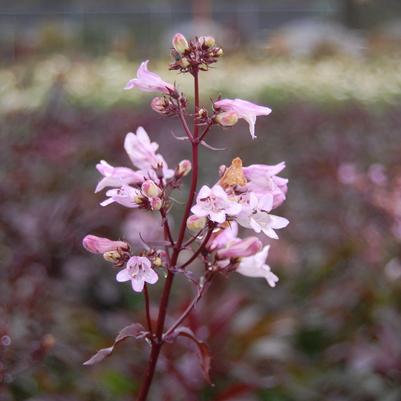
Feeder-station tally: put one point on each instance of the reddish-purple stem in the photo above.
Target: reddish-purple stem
(198, 251)
(158, 341)
(147, 307)
(191, 306)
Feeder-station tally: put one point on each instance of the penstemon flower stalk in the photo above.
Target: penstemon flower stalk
(209, 227)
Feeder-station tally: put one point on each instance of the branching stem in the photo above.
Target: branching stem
(158, 339)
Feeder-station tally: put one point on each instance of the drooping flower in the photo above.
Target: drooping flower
(244, 109)
(148, 81)
(255, 266)
(117, 176)
(138, 271)
(142, 153)
(255, 215)
(214, 203)
(101, 245)
(262, 179)
(240, 248)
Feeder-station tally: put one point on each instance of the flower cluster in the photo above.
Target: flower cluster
(243, 197)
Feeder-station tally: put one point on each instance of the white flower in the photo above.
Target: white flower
(255, 215)
(244, 109)
(255, 266)
(139, 271)
(117, 176)
(142, 152)
(148, 81)
(214, 202)
(126, 196)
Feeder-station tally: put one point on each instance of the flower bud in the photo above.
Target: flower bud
(150, 189)
(227, 118)
(112, 256)
(207, 41)
(184, 168)
(184, 63)
(159, 104)
(196, 223)
(202, 113)
(156, 203)
(179, 42)
(95, 244)
(241, 248)
(219, 52)
(157, 261)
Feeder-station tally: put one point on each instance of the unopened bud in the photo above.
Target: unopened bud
(179, 42)
(139, 199)
(150, 189)
(208, 41)
(184, 168)
(196, 223)
(159, 104)
(227, 118)
(202, 113)
(184, 63)
(112, 256)
(157, 261)
(219, 52)
(95, 244)
(156, 203)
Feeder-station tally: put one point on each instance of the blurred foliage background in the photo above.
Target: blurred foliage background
(331, 71)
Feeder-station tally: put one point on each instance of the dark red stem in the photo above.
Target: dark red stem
(147, 307)
(158, 341)
(191, 306)
(198, 251)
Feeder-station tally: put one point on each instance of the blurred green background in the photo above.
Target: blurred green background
(331, 72)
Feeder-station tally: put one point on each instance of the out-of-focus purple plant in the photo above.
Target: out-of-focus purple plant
(242, 196)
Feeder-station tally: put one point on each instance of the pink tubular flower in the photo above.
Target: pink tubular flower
(147, 81)
(139, 271)
(255, 266)
(116, 176)
(244, 109)
(222, 236)
(214, 203)
(101, 245)
(240, 248)
(126, 196)
(142, 152)
(262, 179)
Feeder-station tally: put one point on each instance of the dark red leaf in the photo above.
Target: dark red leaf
(133, 330)
(202, 349)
